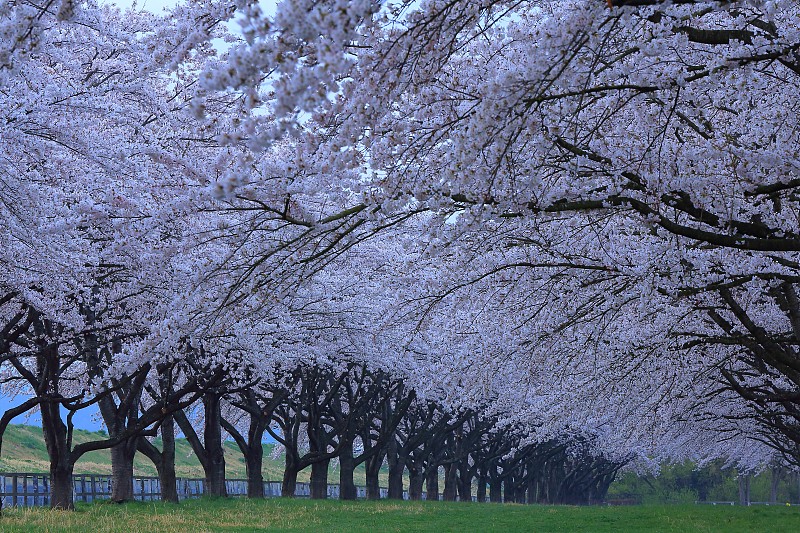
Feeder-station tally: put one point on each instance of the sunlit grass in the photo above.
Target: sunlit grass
(305, 515)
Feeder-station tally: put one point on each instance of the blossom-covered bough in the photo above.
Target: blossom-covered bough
(96, 193)
(499, 238)
(627, 170)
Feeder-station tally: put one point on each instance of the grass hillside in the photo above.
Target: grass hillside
(24, 451)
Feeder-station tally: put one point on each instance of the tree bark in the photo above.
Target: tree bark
(481, 489)
(396, 467)
(319, 480)
(347, 486)
(166, 472)
(432, 482)
(415, 482)
(464, 481)
(395, 491)
(164, 460)
(58, 451)
(744, 489)
(289, 484)
(373, 468)
(212, 436)
(122, 471)
(450, 488)
(495, 488)
(508, 489)
(531, 489)
(255, 479)
(61, 494)
(254, 459)
(775, 481)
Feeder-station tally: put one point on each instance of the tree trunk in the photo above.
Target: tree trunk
(396, 466)
(432, 482)
(521, 490)
(58, 451)
(464, 481)
(319, 480)
(289, 484)
(254, 462)
(166, 469)
(481, 490)
(61, 493)
(122, 471)
(450, 488)
(773, 488)
(508, 489)
(531, 490)
(495, 488)
(415, 482)
(347, 487)
(373, 467)
(164, 460)
(212, 436)
(395, 491)
(744, 489)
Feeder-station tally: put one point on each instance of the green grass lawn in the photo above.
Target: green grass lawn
(305, 515)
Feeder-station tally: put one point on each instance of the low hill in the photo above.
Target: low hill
(24, 451)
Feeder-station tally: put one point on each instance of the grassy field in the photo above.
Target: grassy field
(306, 515)
(24, 451)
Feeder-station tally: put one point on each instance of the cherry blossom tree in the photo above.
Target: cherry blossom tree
(629, 164)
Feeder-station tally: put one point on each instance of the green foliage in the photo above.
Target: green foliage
(307, 515)
(684, 483)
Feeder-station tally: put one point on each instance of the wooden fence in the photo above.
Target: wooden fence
(26, 490)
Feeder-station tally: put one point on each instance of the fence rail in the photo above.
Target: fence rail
(27, 490)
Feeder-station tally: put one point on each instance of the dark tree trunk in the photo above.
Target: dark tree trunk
(289, 484)
(347, 487)
(373, 468)
(432, 482)
(255, 458)
(164, 460)
(521, 490)
(450, 488)
(508, 489)
(495, 489)
(166, 468)
(122, 471)
(531, 490)
(118, 419)
(319, 480)
(415, 482)
(255, 479)
(481, 489)
(61, 496)
(58, 451)
(395, 491)
(253, 452)
(464, 481)
(215, 456)
(396, 467)
(744, 489)
(775, 481)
